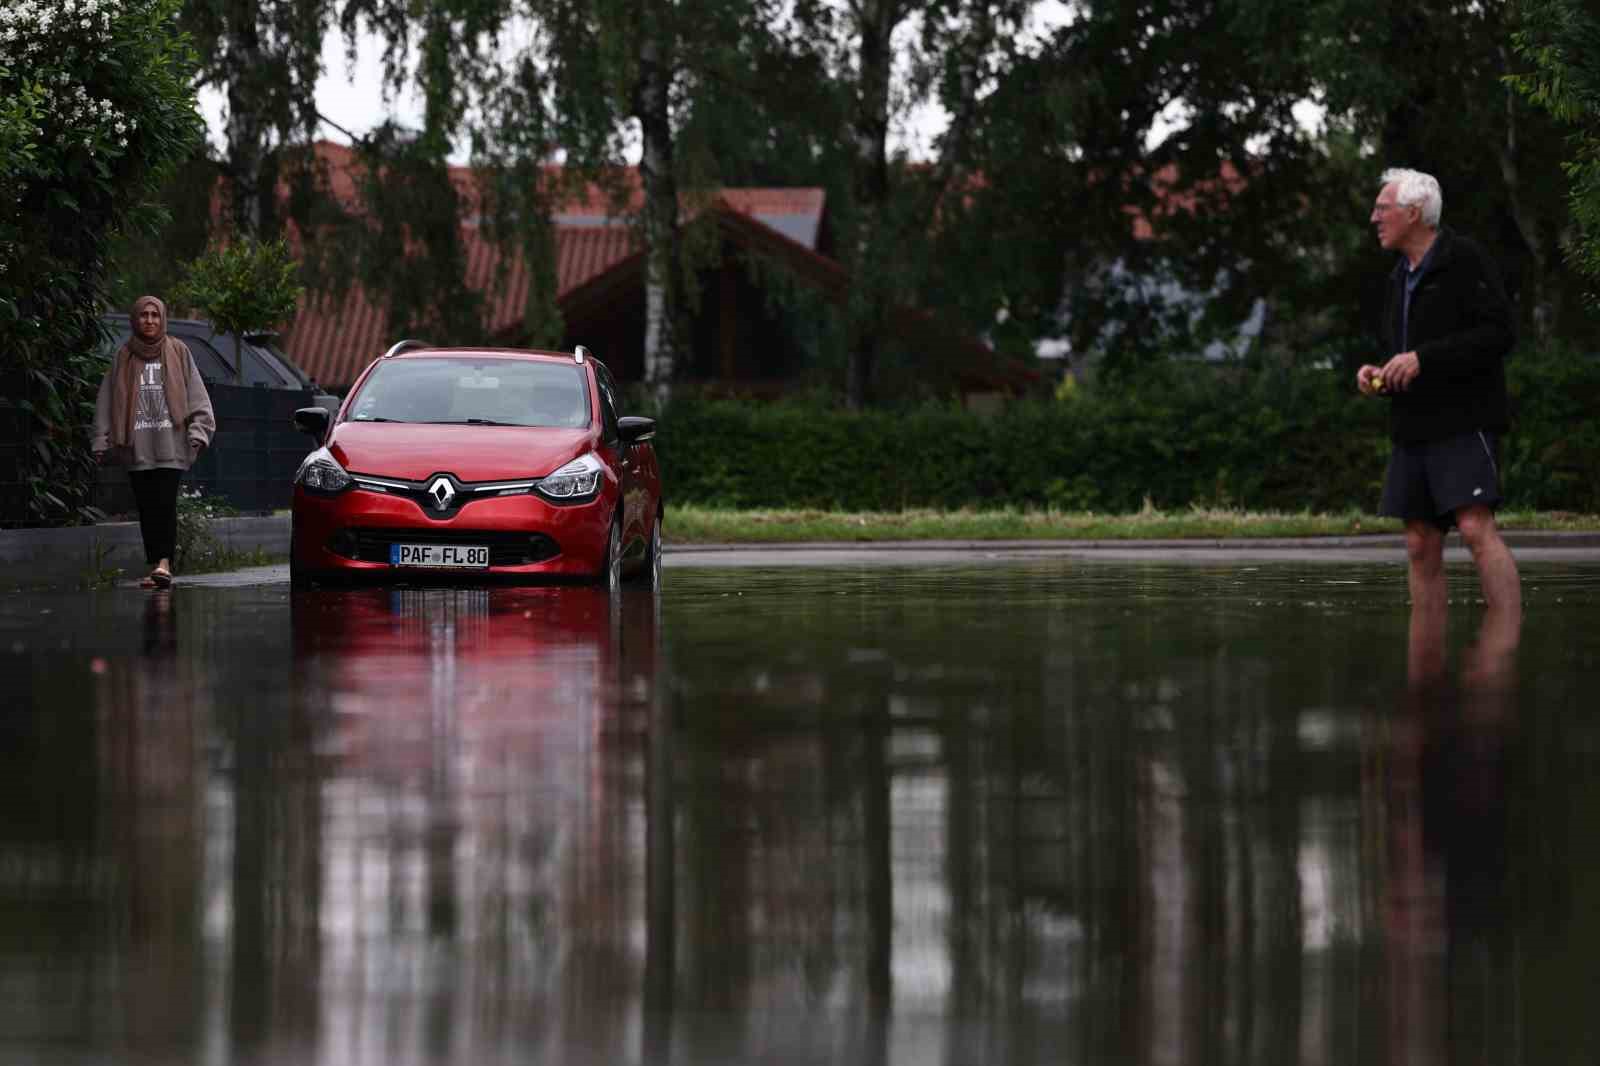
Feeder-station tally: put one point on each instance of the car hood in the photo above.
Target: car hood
(411, 451)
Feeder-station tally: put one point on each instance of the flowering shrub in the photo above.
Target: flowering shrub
(62, 36)
(197, 547)
(96, 107)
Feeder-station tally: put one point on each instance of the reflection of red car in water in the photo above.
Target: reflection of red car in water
(476, 797)
(473, 679)
(448, 463)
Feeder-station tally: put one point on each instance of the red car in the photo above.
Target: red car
(452, 462)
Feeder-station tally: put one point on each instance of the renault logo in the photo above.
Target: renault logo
(441, 492)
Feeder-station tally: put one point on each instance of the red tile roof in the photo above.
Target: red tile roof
(334, 342)
(1171, 199)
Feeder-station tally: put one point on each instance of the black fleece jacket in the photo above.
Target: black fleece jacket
(1461, 328)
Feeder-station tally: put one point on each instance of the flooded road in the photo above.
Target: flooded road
(1024, 812)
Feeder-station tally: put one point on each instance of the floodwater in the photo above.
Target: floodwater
(1063, 812)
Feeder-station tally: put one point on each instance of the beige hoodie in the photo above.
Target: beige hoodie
(157, 441)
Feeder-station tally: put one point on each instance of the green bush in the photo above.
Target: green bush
(1552, 455)
(95, 107)
(1286, 440)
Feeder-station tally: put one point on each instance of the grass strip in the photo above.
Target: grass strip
(695, 524)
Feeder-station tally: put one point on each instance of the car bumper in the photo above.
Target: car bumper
(349, 534)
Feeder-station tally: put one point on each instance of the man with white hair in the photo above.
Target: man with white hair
(1447, 327)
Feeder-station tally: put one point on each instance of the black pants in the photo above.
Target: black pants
(156, 493)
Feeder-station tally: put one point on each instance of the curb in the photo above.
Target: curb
(1513, 538)
(86, 554)
(81, 554)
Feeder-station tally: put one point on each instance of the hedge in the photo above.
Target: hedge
(1287, 440)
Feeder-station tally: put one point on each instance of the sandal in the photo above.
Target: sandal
(162, 577)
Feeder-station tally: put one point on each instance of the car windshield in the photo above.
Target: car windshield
(470, 391)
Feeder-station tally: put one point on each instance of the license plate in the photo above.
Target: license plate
(457, 556)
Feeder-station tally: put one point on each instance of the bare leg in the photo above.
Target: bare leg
(1425, 576)
(1497, 570)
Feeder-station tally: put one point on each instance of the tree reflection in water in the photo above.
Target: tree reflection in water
(1015, 815)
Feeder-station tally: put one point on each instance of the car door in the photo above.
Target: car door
(625, 458)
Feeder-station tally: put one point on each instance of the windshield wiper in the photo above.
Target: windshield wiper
(468, 422)
(369, 418)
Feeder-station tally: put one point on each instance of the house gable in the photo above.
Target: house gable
(600, 284)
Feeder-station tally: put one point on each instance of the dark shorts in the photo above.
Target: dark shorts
(1431, 480)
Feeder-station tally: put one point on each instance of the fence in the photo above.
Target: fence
(256, 452)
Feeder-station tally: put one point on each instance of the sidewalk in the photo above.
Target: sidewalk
(79, 554)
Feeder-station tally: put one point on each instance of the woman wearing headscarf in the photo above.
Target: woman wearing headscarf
(154, 415)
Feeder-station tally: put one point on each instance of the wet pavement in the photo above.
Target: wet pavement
(975, 810)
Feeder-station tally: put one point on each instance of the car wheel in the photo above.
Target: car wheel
(650, 573)
(610, 575)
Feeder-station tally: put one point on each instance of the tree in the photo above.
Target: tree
(96, 110)
(594, 74)
(964, 50)
(1424, 85)
(265, 56)
(244, 286)
(611, 63)
(614, 65)
(1152, 144)
(1562, 41)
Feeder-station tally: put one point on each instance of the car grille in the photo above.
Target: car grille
(506, 548)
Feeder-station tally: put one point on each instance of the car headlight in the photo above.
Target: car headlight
(576, 480)
(321, 472)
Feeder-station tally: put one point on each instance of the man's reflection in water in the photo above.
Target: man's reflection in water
(1447, 907)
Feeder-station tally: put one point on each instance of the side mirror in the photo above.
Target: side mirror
(636, 430)
(313, 420)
